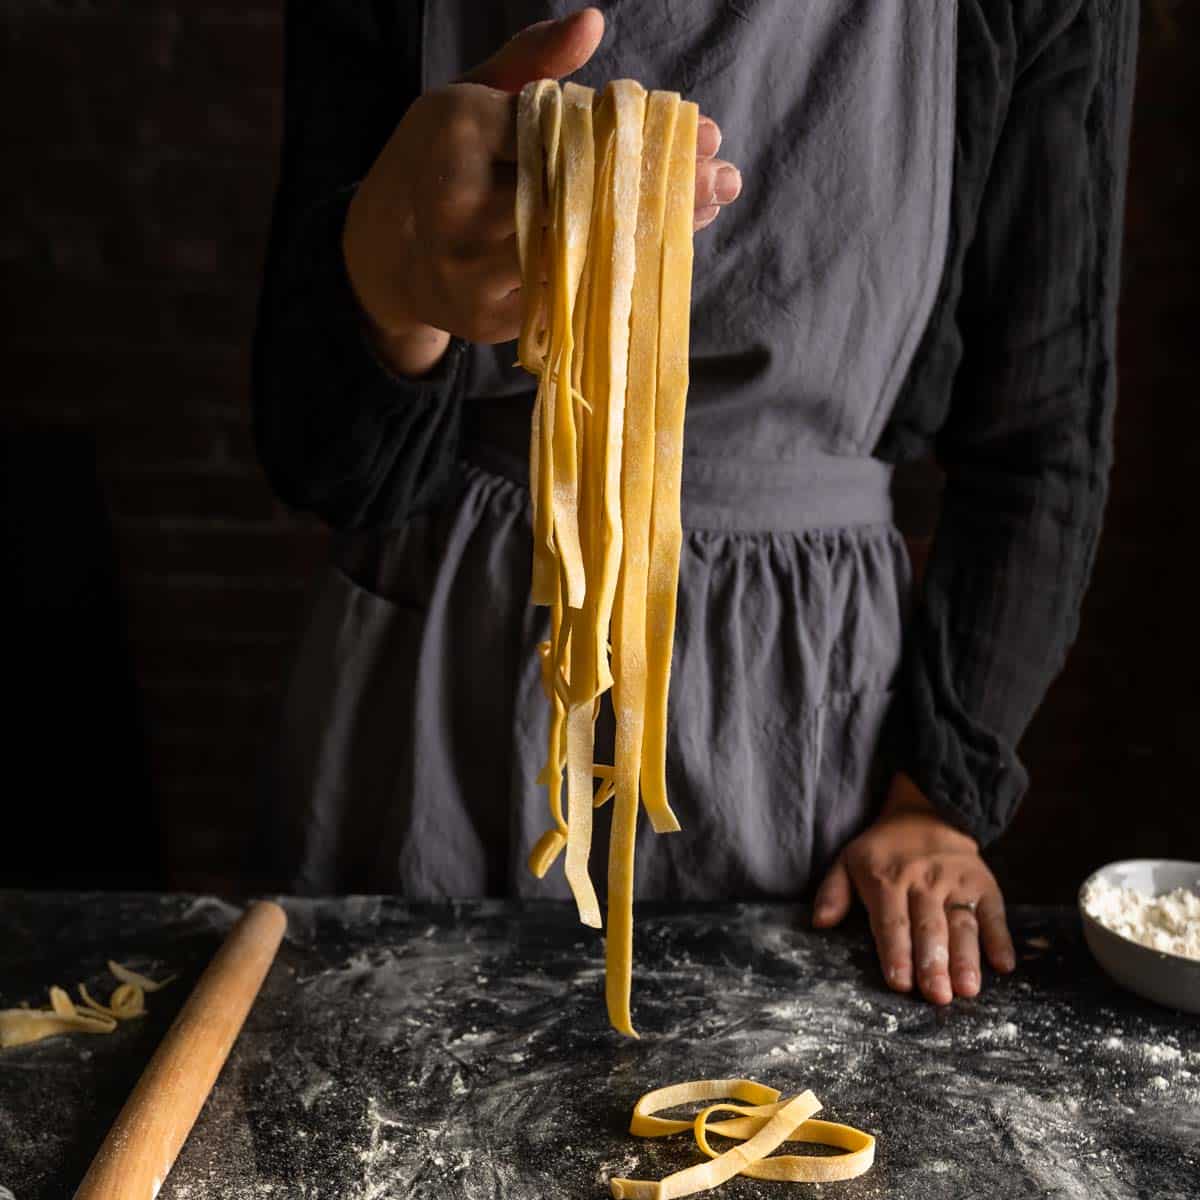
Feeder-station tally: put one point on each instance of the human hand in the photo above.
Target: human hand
(430, 236)
(930, 897)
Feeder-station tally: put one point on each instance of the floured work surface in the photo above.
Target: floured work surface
(399, 1048)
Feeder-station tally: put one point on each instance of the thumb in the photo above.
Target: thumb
(547, 50)
(834, 895)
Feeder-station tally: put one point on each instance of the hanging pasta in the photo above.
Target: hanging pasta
(605, 192)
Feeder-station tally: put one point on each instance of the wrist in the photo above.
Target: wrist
(409, 350)
(404, 344)
(905, 798)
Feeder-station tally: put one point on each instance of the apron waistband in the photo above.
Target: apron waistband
(814, 490)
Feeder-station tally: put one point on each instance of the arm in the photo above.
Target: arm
(339, 431)
(394, 222)
(1027, 445)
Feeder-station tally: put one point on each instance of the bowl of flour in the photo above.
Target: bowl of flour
(1141, 921)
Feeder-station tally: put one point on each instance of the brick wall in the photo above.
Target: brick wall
(144, 141)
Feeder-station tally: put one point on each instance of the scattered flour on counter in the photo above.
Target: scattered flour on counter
(1169, 923)
(622, 1168)
(313, 1090)
(212, 907)
(1162, 1053)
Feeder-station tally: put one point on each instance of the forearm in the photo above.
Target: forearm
(407, 347)
(996, 615)
(1027, 443)
(338, 432)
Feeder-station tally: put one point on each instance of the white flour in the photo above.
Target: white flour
(1170, 923)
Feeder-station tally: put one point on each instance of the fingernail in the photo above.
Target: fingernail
(708, 136)
(729, 184)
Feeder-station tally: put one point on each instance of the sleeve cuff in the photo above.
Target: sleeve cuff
(973, 781)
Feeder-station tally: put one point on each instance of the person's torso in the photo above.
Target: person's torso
(811, 291)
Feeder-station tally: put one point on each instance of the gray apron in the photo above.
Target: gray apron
(414, 724)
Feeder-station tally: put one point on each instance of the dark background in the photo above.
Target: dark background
(152, 588)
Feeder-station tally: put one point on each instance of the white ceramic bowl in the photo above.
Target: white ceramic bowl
(1168, 979)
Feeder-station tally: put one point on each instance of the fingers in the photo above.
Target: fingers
(708, 138)
(477, 296)
(717, 182)
(493, 215)
(833, 897)
(888, 908)
(546, 50)
(495, 274)
(495, 116)
(993, 930)
(930, 937)
(964, 951)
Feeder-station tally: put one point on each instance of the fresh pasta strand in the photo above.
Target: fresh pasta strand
(20, 1026)
(763, 1123)
(610, 176)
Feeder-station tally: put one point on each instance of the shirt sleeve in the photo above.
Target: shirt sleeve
(1026, 446)
(337, 432)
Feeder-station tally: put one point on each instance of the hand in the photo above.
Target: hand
(430, 235)
(907, 868)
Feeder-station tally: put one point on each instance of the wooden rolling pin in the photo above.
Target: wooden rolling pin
(147, 1135)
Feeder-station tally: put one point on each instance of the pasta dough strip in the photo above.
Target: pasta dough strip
(20, 1026)
(629, 613)
(715, 1171)
(797, 1168)
(666, 533)
(538, 114)
(619, 214)
(764, 1123)
(577, 178)
(645, 1123)
(594, 337)
(570, 188)
(530, 217)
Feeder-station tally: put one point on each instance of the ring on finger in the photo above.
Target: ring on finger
(964, 905)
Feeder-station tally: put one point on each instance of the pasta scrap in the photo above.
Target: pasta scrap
(125, 975)
(20, 1026)
(764, 1122)
(610, 179)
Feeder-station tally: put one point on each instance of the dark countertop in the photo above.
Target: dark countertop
(463, 1051)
